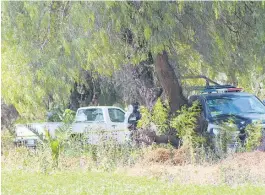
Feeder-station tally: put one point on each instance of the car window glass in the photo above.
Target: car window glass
(234, 105)
(254, 105)
(242, 104)
(116, 115)
(90, 115)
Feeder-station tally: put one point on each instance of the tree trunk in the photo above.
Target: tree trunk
(9, 114)
(147, 90)
(137, 83)
(169, 82)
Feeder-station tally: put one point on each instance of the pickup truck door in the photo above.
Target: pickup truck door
(91, 121)
(117, 124)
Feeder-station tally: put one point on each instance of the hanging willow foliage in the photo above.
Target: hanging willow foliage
(46, 44)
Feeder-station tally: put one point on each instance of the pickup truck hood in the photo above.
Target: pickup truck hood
(240, 121)
(244, 118)
(255, 117)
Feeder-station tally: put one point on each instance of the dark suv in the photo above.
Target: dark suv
(220, 104)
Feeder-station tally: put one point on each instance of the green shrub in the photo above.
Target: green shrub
(254, 136)
(185, 122)
(7, 139)
(227, 135)
(57, 143)
(146, 118)
(159, 116)
(62, 135)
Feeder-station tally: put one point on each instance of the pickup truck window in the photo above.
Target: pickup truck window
(116, 115)
(90, 115)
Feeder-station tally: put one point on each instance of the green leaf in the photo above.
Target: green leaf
(147, 32)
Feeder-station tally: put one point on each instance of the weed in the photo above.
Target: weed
(254, 136)
(159, 116)
(185, 122)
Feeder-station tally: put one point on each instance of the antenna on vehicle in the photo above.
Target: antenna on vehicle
(216, 88)
(207, 80)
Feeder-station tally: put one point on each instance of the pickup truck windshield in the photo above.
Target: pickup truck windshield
(234, 105)
(90, 115)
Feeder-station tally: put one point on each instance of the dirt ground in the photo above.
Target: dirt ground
(171, 165)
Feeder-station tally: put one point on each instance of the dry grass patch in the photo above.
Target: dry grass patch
(166, 156)
(173, 165)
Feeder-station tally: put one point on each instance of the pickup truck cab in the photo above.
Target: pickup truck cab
(94, 121)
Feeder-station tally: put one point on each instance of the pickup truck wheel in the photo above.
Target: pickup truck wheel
(16, 144)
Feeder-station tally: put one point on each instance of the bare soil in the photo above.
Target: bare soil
(172, 165)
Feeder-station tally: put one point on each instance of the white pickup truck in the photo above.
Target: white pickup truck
(94, 121)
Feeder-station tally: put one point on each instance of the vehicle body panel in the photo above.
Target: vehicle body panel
(94, 130)
(241, 120)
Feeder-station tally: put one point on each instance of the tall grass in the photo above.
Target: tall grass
(161, 162)
(71, 154)
(75, 154)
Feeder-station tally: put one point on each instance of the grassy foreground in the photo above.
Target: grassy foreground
(66, 182)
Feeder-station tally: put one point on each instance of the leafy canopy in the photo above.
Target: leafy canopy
(46, 45)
